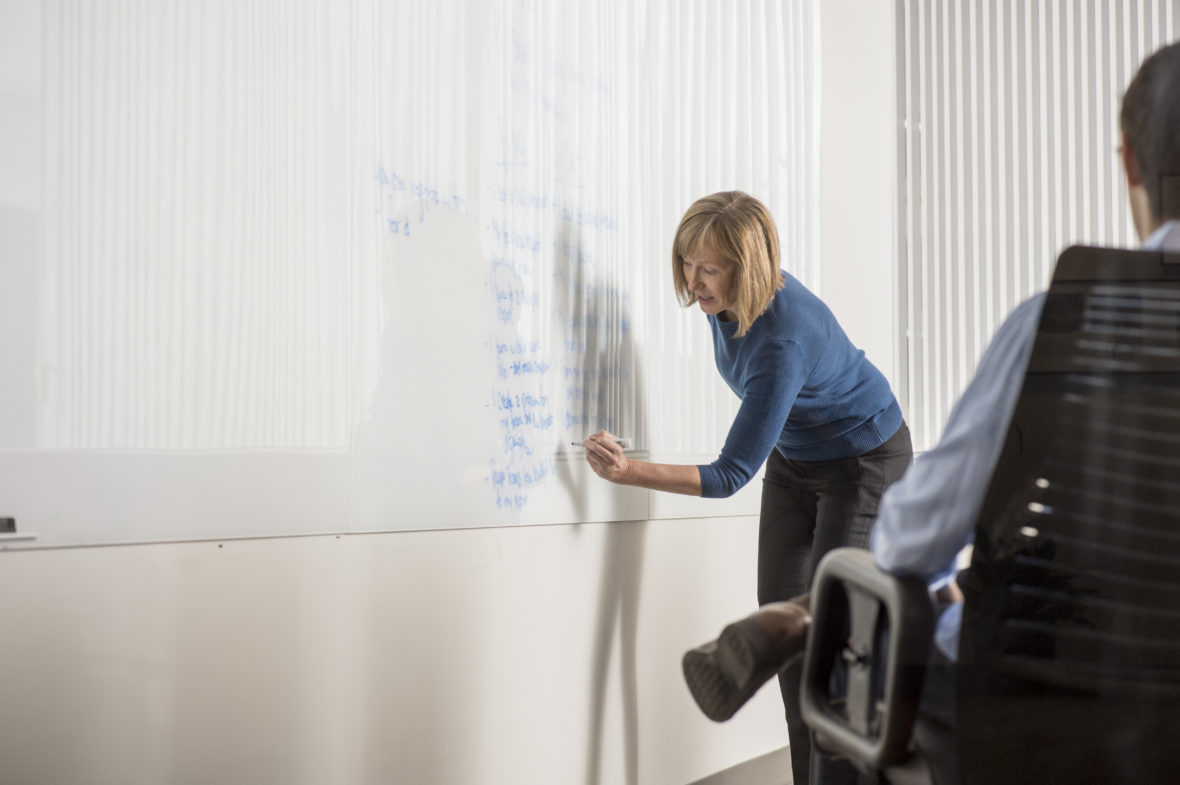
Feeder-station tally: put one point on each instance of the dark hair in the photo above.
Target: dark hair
(1150, 119)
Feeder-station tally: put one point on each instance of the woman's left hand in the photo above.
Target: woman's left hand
(605, 456)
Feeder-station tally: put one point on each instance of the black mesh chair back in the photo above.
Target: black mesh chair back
(1070, 650)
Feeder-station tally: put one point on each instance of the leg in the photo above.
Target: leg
(807, 510)
(785, 530)
(849, 492)
(846, 510)
(724, 673)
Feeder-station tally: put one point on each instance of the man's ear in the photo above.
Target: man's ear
(1129, 165)
(1137, 195)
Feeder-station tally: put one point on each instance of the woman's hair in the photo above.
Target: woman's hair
(1150, 118)
(741, 231)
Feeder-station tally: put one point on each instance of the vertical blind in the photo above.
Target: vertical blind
(192, 291)
(209, 178)
(763, 56)
(1008, 155)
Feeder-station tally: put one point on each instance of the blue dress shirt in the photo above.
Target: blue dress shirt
(928, 516)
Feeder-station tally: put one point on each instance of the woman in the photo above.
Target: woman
(820, 415)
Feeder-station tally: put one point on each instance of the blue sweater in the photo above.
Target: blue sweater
(805, 389)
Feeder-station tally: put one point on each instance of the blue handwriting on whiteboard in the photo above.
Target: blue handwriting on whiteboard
(394, 193)
(565, 210)
(511, 482)
(593, 322)
(510, 239)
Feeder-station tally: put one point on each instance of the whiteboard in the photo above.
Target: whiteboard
(369, 266)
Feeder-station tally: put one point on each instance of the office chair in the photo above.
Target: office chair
(1069, 653)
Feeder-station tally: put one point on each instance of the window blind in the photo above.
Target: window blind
(1007, 155)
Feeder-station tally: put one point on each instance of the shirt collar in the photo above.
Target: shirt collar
(1167, 237)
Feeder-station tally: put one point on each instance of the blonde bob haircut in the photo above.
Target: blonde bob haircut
(741, 231)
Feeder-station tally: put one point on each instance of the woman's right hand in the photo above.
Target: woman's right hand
(606, 458)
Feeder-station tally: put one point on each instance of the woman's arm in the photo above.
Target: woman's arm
(606, 458)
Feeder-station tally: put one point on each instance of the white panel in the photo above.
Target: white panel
(425, 241)
(515, 656)
(193, 294)
(20, 217)
(768, 145)
(1009, 111)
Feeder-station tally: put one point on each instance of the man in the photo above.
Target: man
(928, 516)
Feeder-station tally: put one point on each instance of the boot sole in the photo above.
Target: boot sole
(722, 675)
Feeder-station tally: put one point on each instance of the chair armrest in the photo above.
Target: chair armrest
(880, 627)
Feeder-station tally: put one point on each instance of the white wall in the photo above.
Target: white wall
(519, 655)
(858, 144)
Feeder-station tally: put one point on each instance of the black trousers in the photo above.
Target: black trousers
(809, 508)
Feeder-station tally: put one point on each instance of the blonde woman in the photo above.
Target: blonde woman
(813, 407)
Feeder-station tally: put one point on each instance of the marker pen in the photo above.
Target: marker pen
(624, 443)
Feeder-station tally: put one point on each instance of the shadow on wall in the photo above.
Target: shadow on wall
(477, 656)
(600, 342)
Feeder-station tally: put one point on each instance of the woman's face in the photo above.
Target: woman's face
(710, 278)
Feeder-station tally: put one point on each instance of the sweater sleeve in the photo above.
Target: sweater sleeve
(770, 391)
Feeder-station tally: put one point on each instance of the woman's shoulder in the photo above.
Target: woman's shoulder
(783, 326)
(795, 306)
(796, 292)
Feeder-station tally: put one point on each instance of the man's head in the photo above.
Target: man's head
(1150, 124)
